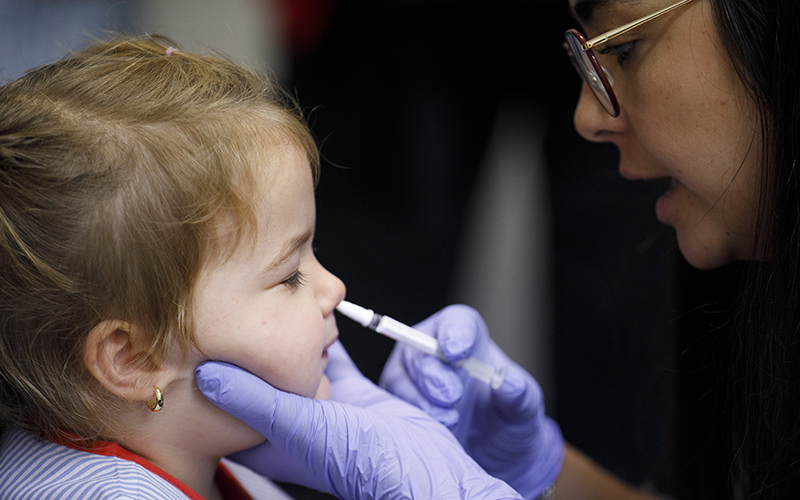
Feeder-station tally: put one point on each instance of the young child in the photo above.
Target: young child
(156, 210)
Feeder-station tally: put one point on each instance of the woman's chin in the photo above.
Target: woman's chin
(703, 255)
(324, 389)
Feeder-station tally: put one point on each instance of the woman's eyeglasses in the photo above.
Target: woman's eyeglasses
(582, 56)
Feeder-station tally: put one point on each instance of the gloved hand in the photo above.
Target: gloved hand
(362, 444)
(504, 430)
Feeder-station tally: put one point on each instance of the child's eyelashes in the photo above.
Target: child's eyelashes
(623, 52)
(295, 281)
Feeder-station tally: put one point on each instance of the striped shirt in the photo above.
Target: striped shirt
(35, 469)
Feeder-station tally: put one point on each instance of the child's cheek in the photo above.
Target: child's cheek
(324, 389)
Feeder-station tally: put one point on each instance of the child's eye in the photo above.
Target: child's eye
(295, 281)
(623, 51)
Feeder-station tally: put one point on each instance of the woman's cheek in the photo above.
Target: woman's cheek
(324, 389)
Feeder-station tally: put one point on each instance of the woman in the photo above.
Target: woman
(704, 94)
(701, 92)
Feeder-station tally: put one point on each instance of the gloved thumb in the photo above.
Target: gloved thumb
(456, 327)
(294, 426)
(459, 330)
(239, 393)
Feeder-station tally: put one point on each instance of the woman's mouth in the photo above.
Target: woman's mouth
(665, 205)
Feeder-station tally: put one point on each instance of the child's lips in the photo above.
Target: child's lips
(325, 349)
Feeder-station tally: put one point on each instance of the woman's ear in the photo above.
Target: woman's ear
(115, 355)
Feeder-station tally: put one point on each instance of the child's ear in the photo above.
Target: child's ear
(115, 355)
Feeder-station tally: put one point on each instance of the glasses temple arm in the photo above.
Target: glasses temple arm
(609, 35)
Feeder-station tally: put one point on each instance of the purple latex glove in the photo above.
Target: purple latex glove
(504, 430)
(362, 444)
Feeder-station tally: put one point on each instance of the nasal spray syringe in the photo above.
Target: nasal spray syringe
(393, 329)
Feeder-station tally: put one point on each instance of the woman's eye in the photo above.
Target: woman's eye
(295, 281)
(623, 51)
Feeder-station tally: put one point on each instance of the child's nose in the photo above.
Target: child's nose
(331, 291)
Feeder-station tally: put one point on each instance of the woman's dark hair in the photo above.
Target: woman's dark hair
(763, 39)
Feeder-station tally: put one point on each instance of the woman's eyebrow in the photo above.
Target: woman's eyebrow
(584, 10)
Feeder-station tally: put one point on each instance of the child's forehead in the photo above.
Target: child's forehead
(266, 135)
(277, 165)
(266, 148)
(276, 204)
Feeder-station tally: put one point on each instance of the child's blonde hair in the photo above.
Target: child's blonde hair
(118, 166)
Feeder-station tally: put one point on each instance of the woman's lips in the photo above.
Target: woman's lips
(665, 205)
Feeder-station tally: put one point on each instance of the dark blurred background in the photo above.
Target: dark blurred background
(452, 173)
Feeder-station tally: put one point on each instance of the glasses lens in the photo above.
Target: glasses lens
(583, 63)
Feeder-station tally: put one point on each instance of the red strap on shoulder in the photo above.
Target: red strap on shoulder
(228, 485)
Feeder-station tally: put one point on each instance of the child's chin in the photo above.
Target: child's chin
(324, 389)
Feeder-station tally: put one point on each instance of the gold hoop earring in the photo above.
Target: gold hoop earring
(157, 402)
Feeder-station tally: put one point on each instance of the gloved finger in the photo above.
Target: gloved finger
(438, 381)
(257, 458)
(520, 397)
(340, 365)
(395, 379)
(239, 393)
(270, 462)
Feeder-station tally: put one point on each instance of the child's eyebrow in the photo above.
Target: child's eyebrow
(289, 248)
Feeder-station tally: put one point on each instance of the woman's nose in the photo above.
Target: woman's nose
(591, 119)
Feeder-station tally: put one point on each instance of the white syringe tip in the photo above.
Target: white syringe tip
(356, 313)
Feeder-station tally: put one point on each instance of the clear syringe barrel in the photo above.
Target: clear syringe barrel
(484, 372)
(400, 332)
